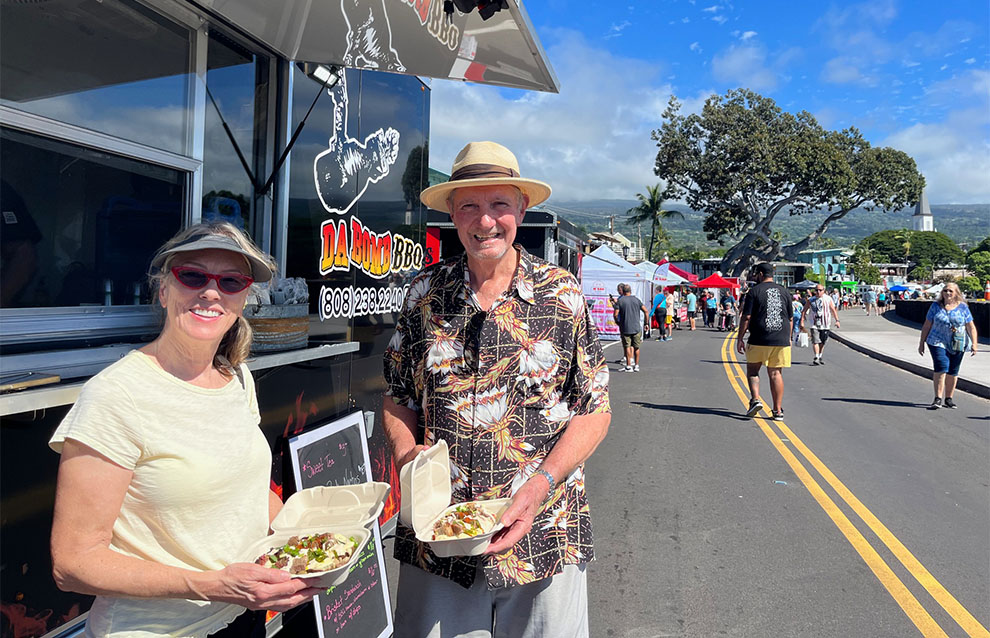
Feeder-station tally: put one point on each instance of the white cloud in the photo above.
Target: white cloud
(970, 60)
(952, 154)
(685, 20)
(617, 29)
(712, 9)
(841, 71)
(695, 47)
(747, 35)
(744, 65)
(590, 141)
(720, 19)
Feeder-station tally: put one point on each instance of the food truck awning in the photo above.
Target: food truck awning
(409, 36)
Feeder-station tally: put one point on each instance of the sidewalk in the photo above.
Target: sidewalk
(895, 341)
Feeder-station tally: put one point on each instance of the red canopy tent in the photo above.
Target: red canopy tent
(679, 272)
(715, 281)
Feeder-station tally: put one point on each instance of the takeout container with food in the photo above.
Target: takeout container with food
(426, 494)
(349, 510)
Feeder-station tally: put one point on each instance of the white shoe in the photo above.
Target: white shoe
(636, 368)
(627, 369)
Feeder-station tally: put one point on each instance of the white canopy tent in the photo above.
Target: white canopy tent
(660, 275)
(601, 273)
(936, 289)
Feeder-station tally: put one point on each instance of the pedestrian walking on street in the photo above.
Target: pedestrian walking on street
(660, 312)
(482, 338)
(870, 302)
(949, 331)
(692, 307)
(766, 314)
(821, 315)
(627, 316)
(711, 306)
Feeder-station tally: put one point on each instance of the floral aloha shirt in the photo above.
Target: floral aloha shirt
(538, 363)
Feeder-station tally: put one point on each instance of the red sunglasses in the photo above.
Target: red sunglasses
(196, 279)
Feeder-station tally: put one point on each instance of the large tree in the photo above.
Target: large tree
(743, 161)
(978, 260)
(912, 247)
(650, 209)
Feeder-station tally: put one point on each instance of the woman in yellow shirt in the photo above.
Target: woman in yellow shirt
(164, 475)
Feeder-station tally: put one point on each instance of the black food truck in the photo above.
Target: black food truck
(306, 124)
(542, 233)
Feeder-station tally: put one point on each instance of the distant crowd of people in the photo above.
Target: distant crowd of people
(775, 319)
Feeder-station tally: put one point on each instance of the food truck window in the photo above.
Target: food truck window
(237, 82)
(80, 226)
(112, 66)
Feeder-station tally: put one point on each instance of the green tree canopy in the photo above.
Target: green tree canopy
(978, 260)
(743, 161)
(912, 247)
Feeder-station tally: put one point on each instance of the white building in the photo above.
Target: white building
(922, 218)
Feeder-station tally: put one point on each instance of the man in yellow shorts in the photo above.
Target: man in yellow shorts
(766, 314)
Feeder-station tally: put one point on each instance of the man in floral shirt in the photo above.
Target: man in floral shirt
(495, 354)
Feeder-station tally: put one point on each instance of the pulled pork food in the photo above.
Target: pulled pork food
(310, 554)
(464, 521)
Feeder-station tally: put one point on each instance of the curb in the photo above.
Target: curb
(962, 383)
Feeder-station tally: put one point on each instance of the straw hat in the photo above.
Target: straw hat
(484, 164)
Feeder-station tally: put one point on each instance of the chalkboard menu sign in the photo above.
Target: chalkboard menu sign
(337, 454)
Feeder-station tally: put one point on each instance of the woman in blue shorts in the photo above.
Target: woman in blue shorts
(949, 331)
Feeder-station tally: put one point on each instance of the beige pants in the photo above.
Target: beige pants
(429, 606)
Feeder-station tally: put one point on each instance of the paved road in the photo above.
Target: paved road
(711, 524)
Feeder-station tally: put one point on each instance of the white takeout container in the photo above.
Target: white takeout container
(325, 579)
(335, 505)
(426, 493)
(350, 510)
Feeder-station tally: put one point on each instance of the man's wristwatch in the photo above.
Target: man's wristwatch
(548, 476)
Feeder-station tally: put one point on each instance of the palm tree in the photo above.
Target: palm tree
(651, 209)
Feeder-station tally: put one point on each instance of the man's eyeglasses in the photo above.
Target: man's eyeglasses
(196, 279)
(472, 340)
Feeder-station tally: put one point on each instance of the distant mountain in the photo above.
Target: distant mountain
(964, 223)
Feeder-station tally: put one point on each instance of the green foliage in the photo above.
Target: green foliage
(982, 247)
(650, 208)
(863, 269)
(934, 247)
(743, 160)
(909, 246)
(922, 272)
(970, 285)
(978, 263)
(868, 274)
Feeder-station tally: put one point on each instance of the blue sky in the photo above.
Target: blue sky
(911, 75)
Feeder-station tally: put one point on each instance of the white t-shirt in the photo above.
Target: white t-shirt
(820, 312)
(199, 493)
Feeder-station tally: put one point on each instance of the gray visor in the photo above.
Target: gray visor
(260, 271)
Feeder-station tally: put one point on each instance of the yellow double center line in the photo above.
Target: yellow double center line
(914, 610)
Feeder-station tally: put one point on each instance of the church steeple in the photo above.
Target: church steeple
(922, 218)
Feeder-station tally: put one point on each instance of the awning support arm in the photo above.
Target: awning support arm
(288, 147)
(230, 136)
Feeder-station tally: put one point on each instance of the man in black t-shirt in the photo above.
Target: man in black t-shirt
(766, 314)
(627, 317)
